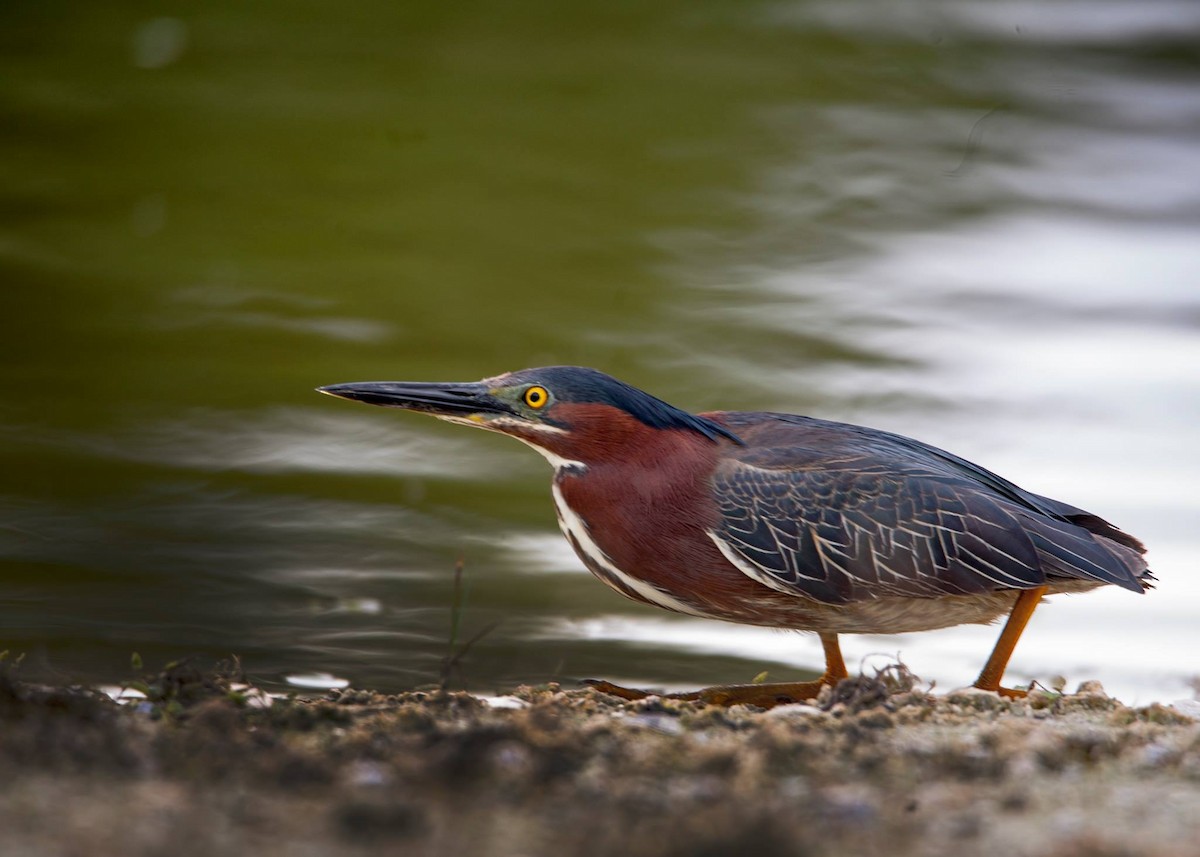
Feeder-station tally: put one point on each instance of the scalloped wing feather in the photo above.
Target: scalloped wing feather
(853, 526)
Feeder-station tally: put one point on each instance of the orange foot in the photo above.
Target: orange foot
(1006, 692)
(762, 695)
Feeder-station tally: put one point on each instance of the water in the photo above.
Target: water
(975, 223)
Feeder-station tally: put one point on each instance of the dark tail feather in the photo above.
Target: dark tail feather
(1080, 518)
(1101, 527)
(1070, 549)
(1107, 532)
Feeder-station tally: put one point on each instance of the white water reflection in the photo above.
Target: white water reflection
(299, 439)
(539, 553)
(224, 307)
(316, 681)
(1057, 643)
(1056, 24)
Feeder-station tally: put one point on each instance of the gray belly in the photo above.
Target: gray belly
(889, 615)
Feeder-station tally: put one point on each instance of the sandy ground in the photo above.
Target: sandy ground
(876, 768)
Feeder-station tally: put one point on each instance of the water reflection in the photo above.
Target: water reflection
(316, 681)
(539, 553)
(222, 307)
(279, 440)
(969, 222)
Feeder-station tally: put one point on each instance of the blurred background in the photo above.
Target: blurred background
(970, 222)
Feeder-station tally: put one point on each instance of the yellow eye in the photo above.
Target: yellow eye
(536, 397)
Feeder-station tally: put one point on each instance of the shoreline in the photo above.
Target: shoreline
(875, 767)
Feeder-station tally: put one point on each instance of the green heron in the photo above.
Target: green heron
(783, 520)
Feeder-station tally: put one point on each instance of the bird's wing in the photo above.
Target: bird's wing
(855, 527)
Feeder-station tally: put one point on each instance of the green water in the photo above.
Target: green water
(971, 222)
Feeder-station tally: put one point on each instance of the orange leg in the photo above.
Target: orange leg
(993, 670)
(762, 695)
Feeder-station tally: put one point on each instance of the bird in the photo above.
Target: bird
(782, 520)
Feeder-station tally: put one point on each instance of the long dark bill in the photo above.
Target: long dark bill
(429, 398)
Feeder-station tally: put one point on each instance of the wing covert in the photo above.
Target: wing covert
(849, 531)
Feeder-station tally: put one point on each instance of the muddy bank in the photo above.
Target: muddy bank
(211, 768)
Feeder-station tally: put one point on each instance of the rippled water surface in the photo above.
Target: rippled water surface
(975, 223)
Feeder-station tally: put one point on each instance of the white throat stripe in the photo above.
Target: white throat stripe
(576, 530)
